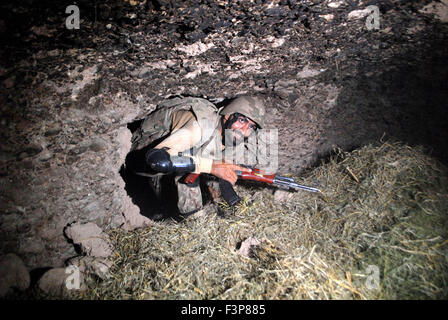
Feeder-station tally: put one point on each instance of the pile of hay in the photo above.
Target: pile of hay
(378, 231)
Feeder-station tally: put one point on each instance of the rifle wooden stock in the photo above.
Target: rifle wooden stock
(256, 175)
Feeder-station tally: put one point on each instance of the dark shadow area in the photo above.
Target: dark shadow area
(404, 98)
(36, 274)
(143, 196)
(140, 189)
(40, 24)
(132, 126)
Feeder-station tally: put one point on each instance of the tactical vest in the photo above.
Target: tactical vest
(158, 124)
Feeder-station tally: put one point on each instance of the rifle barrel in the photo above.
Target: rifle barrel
(290, 183)
(280, 181)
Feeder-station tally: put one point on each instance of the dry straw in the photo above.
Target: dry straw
(383, 206)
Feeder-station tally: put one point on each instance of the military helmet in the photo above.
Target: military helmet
(251, 107)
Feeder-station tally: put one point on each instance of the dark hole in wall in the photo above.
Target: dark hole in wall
(143, 195)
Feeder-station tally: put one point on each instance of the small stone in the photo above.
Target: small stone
(327, 17)
(97, 266)
(307, 72)
(438, 9)
(335, 4)
(91, 238)
(143, 72)
(45, 156)
(53, 53)
(247, 246)
(52, 130)
(13, 274)
(98, 145)
(78, 150)
(53, 282)
(359, 14)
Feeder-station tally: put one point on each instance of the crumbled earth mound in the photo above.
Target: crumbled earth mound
(70, 97)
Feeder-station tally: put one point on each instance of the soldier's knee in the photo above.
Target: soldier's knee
(189, 199)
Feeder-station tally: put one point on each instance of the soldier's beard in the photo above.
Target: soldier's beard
(231, 137)
(236, 137)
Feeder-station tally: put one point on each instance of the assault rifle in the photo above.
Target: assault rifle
(231, 197)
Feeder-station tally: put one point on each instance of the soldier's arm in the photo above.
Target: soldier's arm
(165, 159)
(186, 133)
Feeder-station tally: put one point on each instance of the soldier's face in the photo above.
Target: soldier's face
(240, 129)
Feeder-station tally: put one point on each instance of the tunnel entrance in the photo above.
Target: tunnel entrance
(143, 194)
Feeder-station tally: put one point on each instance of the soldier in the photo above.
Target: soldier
(189, 135)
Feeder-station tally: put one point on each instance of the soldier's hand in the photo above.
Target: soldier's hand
(226, 171)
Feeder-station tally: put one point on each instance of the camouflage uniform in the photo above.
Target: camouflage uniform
(157, 127)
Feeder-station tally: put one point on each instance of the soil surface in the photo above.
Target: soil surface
(69, 96)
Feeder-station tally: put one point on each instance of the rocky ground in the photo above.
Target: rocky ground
(69, 97)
